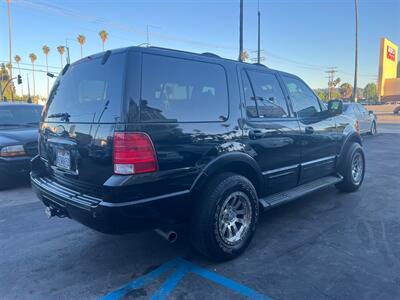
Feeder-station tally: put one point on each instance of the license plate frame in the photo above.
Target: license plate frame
(63, 159)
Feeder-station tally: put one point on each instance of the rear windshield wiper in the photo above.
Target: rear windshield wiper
(64, 116)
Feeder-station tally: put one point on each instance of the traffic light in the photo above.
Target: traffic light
(19, 79)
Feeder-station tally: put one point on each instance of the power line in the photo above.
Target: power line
(27, 64)
(49, 7)
(331, 81)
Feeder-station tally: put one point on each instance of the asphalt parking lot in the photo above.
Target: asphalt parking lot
(327, 245)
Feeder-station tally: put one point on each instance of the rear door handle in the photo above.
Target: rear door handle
(309, 130)
(255, 134)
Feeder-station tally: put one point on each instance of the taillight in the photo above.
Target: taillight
(357, 126)
(133, 153)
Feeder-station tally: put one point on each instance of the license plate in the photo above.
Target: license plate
(63, 159)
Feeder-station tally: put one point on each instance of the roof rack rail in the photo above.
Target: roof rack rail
(261, 65)
(211, 54)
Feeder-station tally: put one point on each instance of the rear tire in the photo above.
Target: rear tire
(352, 169)
(225, 217)
(373, 130)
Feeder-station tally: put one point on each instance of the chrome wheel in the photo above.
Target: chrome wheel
(234, 218)
(357, 168)
(373, 129)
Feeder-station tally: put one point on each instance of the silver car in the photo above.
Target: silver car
(365, 121)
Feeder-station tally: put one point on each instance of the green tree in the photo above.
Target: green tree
(370, 92)
(322, 95)
(81, 40)
(61, 50)
(46, 50)
(33, 58)
(4, 77)
(345, 90)
(103, 35)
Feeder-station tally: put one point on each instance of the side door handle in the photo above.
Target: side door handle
(309, 130)
(255, 134)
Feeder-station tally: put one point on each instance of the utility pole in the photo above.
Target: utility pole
(331, 75)
(259, 39)
(241, 31)
(356, 56)
(9, 40)
(29, 90)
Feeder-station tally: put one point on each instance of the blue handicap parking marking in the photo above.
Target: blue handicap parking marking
(181, 268)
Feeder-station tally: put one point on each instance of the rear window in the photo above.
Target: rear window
(179, 90)
(89, 91)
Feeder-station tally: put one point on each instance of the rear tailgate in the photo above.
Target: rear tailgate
(76, 135)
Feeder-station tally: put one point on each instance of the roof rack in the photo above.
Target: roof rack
(261, 65)
(210, 54)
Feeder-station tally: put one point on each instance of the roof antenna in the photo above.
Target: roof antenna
(241, 32)
(259, 39)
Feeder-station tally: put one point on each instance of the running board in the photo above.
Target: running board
(299, 191)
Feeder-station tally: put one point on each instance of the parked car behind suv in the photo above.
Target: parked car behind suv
(18, 140)
(365, 121)
(145, 138)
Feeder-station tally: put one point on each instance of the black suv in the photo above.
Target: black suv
(146, 138)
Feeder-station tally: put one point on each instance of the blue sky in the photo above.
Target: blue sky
(298, 36)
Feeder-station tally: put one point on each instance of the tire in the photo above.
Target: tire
(353, 176)
(373, 130)
(216, 216)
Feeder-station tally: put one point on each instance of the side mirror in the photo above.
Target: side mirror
(335, 107)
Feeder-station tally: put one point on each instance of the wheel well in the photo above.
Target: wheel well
(355, 138)
(240, 168)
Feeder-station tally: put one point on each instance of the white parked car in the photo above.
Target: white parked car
(365, 121)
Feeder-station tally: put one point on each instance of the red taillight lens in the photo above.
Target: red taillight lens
(357, 126)
(133, 153)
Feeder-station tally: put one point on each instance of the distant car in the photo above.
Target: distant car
(396, 110)
(365, 121)
(18, 140)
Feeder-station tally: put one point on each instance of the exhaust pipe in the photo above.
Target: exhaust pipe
(170, 235)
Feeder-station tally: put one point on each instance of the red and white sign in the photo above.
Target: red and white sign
(391, 53)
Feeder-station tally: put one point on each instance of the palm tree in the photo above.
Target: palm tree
(17, 59)
(103, 35)
(61, 50)
(46, 50)
(33, 58)
(244, 56)
(81, 40)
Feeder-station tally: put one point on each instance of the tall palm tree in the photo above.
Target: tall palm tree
(81, 40)
(61, 50)
(17, 59)
(46, 50)
(103, 35)
(33, 58)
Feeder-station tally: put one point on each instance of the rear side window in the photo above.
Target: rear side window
(304, 101)
(89, 91)
(264, 96)
(179, 90)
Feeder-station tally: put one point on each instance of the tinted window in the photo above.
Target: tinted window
(20, 115)
(182, 90)
(304, 102)
(265, 99)
(89, 91)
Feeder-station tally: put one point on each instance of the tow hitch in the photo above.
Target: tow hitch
(53, 211)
